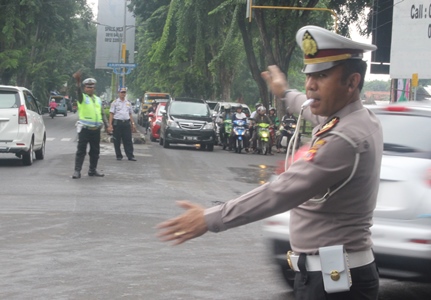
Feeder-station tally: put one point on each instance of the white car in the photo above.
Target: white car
(22, 129)
(402, 219)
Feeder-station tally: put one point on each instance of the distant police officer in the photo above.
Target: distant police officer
(121, 122)
(331, 191)
(91, 119)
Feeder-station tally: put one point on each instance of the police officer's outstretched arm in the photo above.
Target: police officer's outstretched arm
(187, 226)
(77, 75)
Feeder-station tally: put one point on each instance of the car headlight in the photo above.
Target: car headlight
(172, 123)
(209, 126)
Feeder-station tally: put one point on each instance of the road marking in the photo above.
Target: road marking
(50, 139)
(65, 139)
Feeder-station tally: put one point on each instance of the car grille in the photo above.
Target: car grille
(190, 125)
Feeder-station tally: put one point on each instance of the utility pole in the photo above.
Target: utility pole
(123, 46)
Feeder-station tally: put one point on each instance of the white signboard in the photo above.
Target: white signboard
(113, 19)
(411, 39)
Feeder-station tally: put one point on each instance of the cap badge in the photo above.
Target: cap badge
(309, 155)
(328, 126)
(309, 45)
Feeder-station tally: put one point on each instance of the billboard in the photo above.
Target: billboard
(115, 25)
(411, 39)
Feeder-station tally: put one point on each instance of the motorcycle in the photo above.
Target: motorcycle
(226, 135)
(286, 131)
(74, 108)
(239, 132)
(263, 137)
(52, 112)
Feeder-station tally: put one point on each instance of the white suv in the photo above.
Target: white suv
(22, 130)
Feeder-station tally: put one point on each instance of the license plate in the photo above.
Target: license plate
(191, 138)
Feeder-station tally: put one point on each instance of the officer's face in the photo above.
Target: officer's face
(330, 91)
(89, 90)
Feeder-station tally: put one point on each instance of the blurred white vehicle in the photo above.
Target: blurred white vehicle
(22, 129)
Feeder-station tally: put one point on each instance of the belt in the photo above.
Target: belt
(90, 128)
(312, 262)
(122, 121)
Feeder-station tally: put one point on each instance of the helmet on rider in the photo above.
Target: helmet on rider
(261, 109)
(227, 106)
(238, 107)
(257, 105)
(272, 109)
(52, 100)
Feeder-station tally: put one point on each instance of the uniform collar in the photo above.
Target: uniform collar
(346, 110)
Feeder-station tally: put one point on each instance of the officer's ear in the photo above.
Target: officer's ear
(353, 81)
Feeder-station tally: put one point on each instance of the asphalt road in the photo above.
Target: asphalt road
(94, 238)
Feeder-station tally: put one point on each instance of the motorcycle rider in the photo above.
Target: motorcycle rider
(286, 122)
(260, 117)
(53, 105)
(240, 115)
(275, 122)
(252, 123)
(225, 115)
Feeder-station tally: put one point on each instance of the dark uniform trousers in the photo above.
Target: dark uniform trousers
(123, 133)
(92, 137)
(365, 285)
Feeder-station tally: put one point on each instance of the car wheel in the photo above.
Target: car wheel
(165, 143)
(288, 275)
(40, 154)
(152, 138)
(160, 141)
(27, 158)
(203, 146)
(210, 147)
(65, 114)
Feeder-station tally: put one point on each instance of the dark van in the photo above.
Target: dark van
(187, 121)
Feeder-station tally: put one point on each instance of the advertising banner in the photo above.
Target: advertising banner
(115, 25)
(411, 39)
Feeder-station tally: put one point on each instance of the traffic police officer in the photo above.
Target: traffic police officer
(331, 191)
(91, 118)
(121, 121)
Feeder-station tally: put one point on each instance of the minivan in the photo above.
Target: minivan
(187, 121)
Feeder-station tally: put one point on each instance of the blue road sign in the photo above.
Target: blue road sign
(121, 65)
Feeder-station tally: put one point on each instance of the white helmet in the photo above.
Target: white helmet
(261, 109)
(89, 81)
(227, 106)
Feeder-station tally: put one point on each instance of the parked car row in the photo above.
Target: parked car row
(402, 218)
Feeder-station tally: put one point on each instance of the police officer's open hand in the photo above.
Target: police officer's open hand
(77, 76)
(276, 81)
(187, 226)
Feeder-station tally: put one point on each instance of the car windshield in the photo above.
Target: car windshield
(8, 99)
(181, 108)
(406, 133)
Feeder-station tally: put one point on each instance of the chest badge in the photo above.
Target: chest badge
(328, 126)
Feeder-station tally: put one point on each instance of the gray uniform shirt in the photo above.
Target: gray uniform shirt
(346, 217)
(121, 109)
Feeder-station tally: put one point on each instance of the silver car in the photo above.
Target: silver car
(402, 219)
(22, 129)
